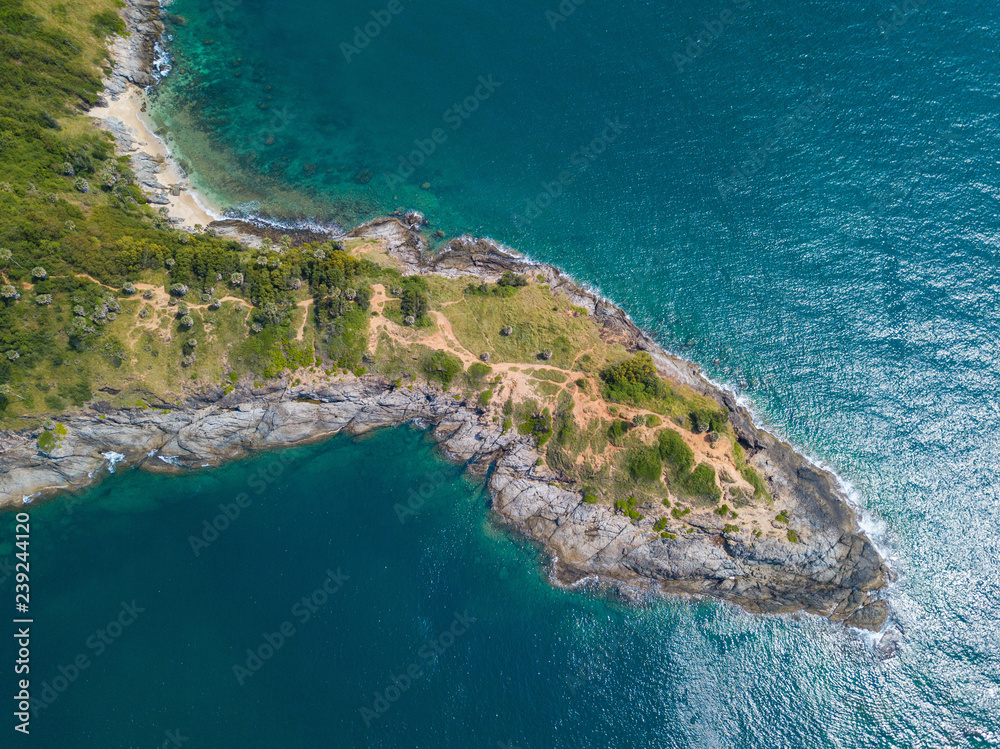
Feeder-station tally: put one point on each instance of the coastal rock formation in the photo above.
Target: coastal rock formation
(830, 574)
(833, 569)
(135, 53)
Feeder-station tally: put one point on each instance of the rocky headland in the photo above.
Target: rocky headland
(832, 569)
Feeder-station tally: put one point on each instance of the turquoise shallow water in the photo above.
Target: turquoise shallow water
(807, 208)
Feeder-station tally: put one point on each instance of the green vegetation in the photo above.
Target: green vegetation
(506, 286)
(590, 499)
(617, 432)
(675, 452)
(644, 464)
(793, 536)
(782, 517)
(413, 301)
(633, 381)
(728, 528)
(700, 484)
(46, 441)
(749, 473)
(442, 366)
(627, 507)
(477, 373)
(535, 422)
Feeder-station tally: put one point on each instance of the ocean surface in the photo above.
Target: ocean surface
(800, 197)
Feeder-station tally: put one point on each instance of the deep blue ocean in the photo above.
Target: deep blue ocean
(800, 197)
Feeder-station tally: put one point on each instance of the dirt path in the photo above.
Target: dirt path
(94, 280)
(300, 334)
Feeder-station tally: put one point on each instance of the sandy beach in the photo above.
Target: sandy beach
(189, 207)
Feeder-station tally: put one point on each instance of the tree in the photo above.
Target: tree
(39, 273)
(187, 321)
(414, 301)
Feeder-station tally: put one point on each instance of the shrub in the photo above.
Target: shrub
(47, 441)
(617, 432)
(660, 524)
(539, 425)
(413, 301)
(590, 499)
(793, 536)
(644, 464)
(675, 452)
(704, 419)
(484, 398)
(512, 280)
(442, 366)
(728, 528)
(78, 394)
(477, 372)
(627, 507)
(701, 483)
(782, 517)
(632, 381)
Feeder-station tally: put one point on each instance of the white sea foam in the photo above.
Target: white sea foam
(170, 460)
(113, 459)
(250, 213)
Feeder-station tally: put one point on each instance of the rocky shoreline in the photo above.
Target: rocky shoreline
(834, 571)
